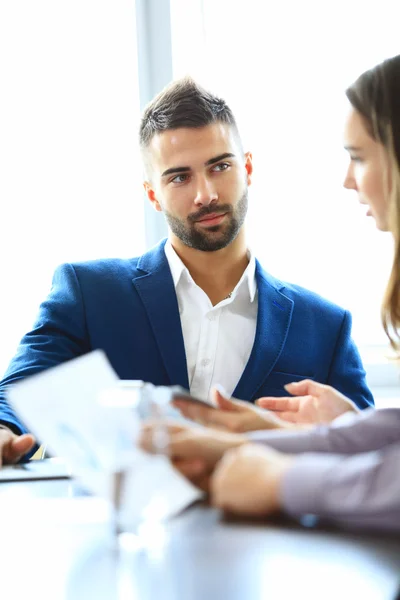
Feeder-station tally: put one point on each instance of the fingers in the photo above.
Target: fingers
(248, 480)
(195, 412)
(190, 468)
(212, 417)
(207, 446)
(145, 439)
(200, 478)
(172, 427)
(305, 388)
(188, 445)
(195, 470)
(149, 431)
(288, 417)
(219, 482)
(225, 403)
(278, 404)
(184, 407)
(13, 447)
(184, 444)
(23, 444)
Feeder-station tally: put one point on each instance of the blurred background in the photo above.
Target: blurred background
(75, 76)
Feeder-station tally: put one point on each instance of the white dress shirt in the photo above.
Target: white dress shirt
(218, 339)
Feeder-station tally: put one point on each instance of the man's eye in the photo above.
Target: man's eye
(180, 178)
(220, 167)
(355, 159)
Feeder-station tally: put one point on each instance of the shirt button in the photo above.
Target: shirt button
(205, 362)
(212, 317)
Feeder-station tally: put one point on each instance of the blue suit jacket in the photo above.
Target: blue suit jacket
(128, 307)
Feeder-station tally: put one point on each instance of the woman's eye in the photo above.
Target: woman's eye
(355, 159)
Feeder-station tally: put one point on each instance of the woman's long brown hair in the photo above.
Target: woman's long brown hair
(376, 96)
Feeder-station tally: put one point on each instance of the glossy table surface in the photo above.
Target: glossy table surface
(56, 543)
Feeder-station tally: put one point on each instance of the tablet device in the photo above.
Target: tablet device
(49, 468)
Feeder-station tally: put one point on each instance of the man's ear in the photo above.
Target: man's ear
(150, 193)
(248, 165)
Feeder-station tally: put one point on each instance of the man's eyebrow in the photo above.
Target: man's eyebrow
(216, 159)
(175, 170)
(185, 169)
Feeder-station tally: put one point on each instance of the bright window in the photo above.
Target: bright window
(70, 171)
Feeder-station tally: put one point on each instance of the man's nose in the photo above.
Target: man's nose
(205, 192)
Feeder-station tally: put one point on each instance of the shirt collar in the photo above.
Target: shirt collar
(250, 275)
(179, 270)
(175, 264)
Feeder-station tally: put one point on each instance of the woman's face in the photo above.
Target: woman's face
(368, 171)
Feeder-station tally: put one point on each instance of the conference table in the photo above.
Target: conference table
(57, 543)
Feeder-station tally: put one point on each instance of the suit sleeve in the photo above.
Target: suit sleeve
(360, 491)
(346, 373)
(59, 334)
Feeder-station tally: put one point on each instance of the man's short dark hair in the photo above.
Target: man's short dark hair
(183, 103)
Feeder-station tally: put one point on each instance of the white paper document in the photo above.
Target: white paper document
(63, 407)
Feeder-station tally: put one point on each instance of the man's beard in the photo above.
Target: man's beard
(207, 239)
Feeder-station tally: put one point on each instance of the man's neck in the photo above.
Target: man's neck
(217, 273)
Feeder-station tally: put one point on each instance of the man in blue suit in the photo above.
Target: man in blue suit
(198, 309)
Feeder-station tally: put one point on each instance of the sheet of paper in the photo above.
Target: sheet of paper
(61, 407)
(65, 408)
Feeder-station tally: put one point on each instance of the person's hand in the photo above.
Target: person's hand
(313, 403)
(194, 451)
(13, 447)
(247, 480)
(231, 414)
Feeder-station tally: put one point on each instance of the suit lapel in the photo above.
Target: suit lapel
(273, 321)
(156, 289)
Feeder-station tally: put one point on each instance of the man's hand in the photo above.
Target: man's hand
(232, 415)
(13, 447)
(194, 451)
(313, 403)
(247, 481)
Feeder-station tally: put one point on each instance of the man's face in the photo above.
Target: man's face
(199, 179)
